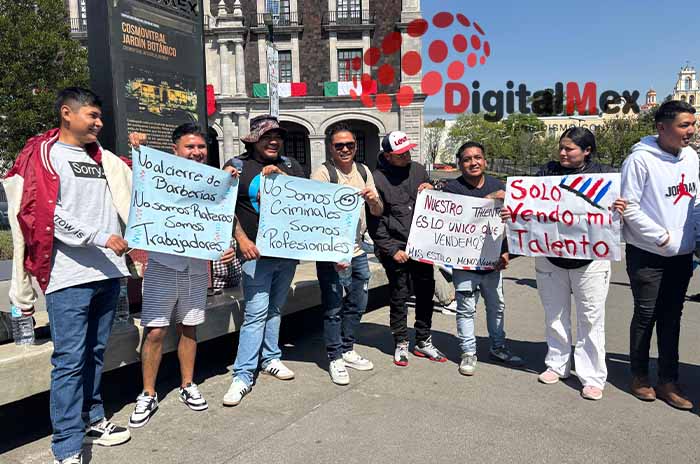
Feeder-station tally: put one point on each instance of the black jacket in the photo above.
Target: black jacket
(554, 168)
(398, 188)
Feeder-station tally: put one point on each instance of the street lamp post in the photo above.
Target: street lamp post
(272, 65)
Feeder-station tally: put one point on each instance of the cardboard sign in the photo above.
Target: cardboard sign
(564, 216)
(306, 219)
(456, 230)
(179, 206)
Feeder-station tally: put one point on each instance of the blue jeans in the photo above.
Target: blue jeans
(468, 286)
(265, 286)
(80, 319)
(341, 316)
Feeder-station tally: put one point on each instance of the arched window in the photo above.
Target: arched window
(691, 99)
(682, 97)
(688, 83)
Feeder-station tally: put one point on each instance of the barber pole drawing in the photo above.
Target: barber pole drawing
(564, 216)
(589, 190)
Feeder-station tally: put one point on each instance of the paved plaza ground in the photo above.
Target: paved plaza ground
(425, 413)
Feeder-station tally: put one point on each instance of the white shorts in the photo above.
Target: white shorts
(166, 290)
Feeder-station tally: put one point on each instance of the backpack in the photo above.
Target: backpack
(333, 171)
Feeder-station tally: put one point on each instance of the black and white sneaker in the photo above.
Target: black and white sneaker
(191, 396)
(75, 459)
(105, 433)
(146, 406)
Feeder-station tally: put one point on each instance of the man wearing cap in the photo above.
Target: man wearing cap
(266, 280)
(398, 181)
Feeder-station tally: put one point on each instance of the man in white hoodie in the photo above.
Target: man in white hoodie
(660, 183)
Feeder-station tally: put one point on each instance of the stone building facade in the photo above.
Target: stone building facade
(316, 41)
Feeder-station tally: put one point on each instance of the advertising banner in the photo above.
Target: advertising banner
(147, 62)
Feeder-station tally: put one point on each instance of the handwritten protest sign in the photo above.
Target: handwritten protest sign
(456, 230)
(179, 206)
(306, 219)
(564, 216)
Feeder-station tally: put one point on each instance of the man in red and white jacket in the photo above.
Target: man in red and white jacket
(66, 196)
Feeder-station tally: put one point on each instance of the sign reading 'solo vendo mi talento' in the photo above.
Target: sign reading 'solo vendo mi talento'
(146, 61)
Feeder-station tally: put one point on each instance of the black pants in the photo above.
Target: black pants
(658, 285)
(401, 276)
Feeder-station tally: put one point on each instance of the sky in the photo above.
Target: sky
(619, 44)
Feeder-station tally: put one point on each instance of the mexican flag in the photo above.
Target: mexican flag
(342, 88)
(285, 89)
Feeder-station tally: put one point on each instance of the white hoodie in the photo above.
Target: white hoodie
(662, 194)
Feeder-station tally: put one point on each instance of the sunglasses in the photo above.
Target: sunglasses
(339, 146)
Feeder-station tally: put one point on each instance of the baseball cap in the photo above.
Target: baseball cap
(396, 143)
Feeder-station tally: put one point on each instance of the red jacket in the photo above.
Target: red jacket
(39, 195)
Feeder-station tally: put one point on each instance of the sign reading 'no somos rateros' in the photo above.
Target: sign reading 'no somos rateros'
(179, 206)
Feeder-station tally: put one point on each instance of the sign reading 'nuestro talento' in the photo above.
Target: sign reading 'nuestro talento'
(147, 62)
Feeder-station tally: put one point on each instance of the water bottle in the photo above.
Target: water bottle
(22, 327)
(122, 314)
(345, 276)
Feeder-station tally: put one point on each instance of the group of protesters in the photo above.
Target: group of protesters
(67, 233)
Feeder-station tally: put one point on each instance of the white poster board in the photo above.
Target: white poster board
(564, 216)
(456, 230)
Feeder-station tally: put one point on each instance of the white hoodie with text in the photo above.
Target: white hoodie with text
(663, 202)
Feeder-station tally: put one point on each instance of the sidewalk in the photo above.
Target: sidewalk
(425, 413)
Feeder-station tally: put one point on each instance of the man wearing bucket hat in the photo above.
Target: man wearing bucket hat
(398, 181)
(265, 280)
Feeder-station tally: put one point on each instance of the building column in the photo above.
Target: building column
(296, 74)
(224, 66)
(366, 44)
(411, 122)
(228, 138)
(73, 8)
(333, 50)
(240, 67)
(242, 130)
(262, 58)
(318, 151)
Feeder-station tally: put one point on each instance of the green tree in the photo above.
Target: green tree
(38, 58)
(616, 137)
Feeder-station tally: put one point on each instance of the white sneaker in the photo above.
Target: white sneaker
(75, 459)
(146, 405)
(355, 361)
(339, 375)
(106, 433)
(192, 397)
(278, 370)
(236, 392)
(467, 366)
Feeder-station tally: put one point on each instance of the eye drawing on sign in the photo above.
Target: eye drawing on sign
(346, 199)
(590, 190)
